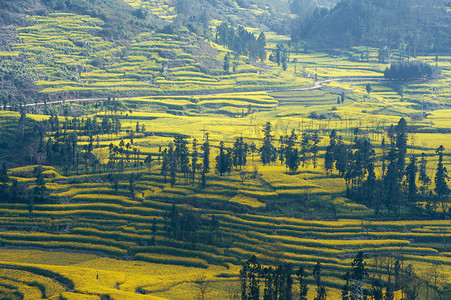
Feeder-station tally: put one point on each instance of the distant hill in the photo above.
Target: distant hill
(413, 25)
(83, 48)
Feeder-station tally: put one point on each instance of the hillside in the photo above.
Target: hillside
(53, 50)
(154, 149)
(380, 23)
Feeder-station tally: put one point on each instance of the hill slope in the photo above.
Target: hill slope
(381, 23)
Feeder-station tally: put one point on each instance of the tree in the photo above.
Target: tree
(383, 55)
(206, 161)
(249, 277)
(148, 161)
(132, 185)
(358, 274)
(346, 289)
(291, 152)
(303, 287)
(401, 145)
(411, 172)
(320, 290)
(410, 283)
(369, 88)
(267, 151)
(4, 178)
(261, 45)
(221, 160)
(194, 164)
(172, 164)
(441, 176)
(226, 65)
(165, 164)
(314, 148)
(392, 187)
(40, 188)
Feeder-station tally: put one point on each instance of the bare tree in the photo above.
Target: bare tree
(203, 285)
(232, 290)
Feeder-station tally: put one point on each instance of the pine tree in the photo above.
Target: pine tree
(267, 151)
(401, 145)
(441, 176)
(4, 178)
(346, 289)
(314, 148)
(165, 164)
(221, 160)
(227, 63)
(194, 161)
(261, 44)
(40, 188)
(206, 161)
(132, 185)
(303, 287)
(358, 274)
(392, 187)
(320, 290)
(411, 172)
(369, 88)
(172, 165)
(291, 152)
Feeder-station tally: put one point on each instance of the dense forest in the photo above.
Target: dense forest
(391, 23)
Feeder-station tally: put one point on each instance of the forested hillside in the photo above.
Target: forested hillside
(391, 23)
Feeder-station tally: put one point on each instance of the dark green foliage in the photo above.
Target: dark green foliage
(369, 88)
(303, 287)
(401, 146)
(165, 164)
(379, 23)
(241, 41)
(411, 70)
(320, 290)
(278, 281)
(441, 176)
(289, 152)
(411, 173)
(239, 152)
(268, 151)
(172, 165)
(194, 165)
(222, 164)
(226, 65)
(359, 271)
(346, 290)
(206, 161)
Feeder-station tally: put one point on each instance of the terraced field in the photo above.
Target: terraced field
(95, 238)
(95, 219)
(63, 54)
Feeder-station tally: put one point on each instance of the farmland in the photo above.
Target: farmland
(95, 207)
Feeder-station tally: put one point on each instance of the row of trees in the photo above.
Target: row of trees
(359, 284)
(411, 70)
(241, 41)
(397, 184)
(190, 226)
(176, 160)
(288, 152)
(356, 163)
